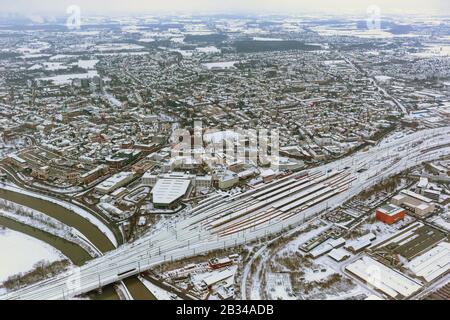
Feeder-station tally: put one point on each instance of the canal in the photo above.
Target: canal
(137, 289)
(72, 251)
(66, 216)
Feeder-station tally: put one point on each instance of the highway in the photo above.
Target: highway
(223, 220)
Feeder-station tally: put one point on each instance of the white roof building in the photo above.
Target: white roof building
(218, 276)
(383, 278)
(167, 191)
(432, 263)
(417, 196)
(339, 254)
(423, 182)
(114, 182)
(361, 242)
(326, 247)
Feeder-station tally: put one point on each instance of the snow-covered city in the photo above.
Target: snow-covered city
(223, 153)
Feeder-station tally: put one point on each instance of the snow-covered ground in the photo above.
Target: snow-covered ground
(158, 292)
(289, 274)
(67, 78)
(208, 50)
(87, 64)
(279, 286)
(220, 65)
(19, 252)
(319, 227)
(318, 274)
(39, 220)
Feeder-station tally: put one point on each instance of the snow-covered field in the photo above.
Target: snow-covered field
(279, 286)
(67, 78)
(87, 64)
(208, 50)
(319, 274)
(220, 65)
(117, 47)
(19, 252)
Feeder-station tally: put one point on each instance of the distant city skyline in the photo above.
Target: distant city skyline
(115, 7)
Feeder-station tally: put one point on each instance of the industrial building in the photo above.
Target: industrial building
(392, 283)
(433, 263)
(215, 278)
(432, 194)
(339, 254)
(409, 242)
(327, 246)
(418, 203)
(359, 244)
(149, 179)
(122, 157)
(111, 209)
(41, 173)
(390, 213)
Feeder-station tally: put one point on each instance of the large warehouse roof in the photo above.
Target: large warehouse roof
(432, 263)
(383, 278)
(167, 191)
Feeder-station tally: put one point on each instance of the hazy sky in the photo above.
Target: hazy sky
(117, 7)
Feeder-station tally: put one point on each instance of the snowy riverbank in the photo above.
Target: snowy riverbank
(20, 252)
(39, 220)
(77, 210)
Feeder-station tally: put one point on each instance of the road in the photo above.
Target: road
(199, 231)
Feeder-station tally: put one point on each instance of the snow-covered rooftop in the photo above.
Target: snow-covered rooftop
(432, 263)
(167, 191)
(383, 278)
